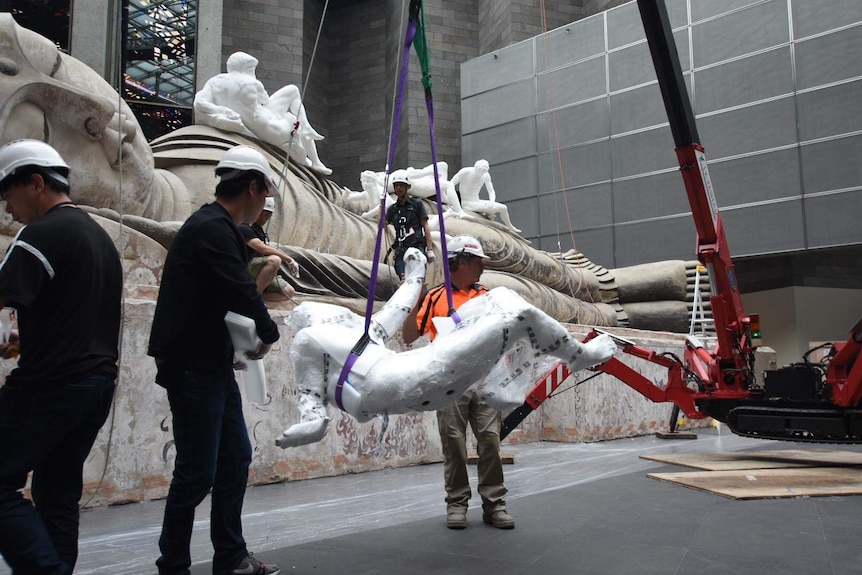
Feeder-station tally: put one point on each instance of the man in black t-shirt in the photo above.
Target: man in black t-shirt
(265, 260)
(410, 220)
(63, 276)
(204, 277)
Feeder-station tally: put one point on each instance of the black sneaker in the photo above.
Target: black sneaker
(251, 566)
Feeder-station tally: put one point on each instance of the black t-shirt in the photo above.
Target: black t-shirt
(250, 232)
(63, 275)
(407, 220)
(205, 276)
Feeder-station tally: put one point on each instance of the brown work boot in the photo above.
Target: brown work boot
(456, 517)
(499, 519)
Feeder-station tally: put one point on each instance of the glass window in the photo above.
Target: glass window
(50, 18)
(159, 62)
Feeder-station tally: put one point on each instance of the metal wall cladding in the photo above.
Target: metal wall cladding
(776, 87)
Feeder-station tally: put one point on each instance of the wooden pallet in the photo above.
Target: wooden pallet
(767, 474)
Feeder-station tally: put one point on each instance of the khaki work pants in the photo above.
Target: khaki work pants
(485, 422)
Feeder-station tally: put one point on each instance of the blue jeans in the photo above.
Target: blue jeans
(213, 452)
(48, 430)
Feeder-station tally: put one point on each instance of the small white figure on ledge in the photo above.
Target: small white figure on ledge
(422, 185)
(470, 181)
(372, 192)
(502, 343)
(236, 101)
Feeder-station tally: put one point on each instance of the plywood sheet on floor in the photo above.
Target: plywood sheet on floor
(778, 459)
(771, 483)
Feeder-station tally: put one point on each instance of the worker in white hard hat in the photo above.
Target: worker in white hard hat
(63, 277)
(265, 260)
(466, 264)
(206, 275)
(409, 218)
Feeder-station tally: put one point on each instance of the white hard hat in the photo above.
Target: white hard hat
(465, 245)
(269, 205)
(23, 153)
(400, 177)
(242, 159)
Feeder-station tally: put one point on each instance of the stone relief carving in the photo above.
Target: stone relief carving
(142, 192)
(49, 95)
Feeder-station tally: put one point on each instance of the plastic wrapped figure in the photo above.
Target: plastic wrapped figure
(497, 331)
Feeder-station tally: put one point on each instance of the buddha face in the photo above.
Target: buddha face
(50, 96)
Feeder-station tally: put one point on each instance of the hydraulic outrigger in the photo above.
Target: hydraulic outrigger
(803, 402)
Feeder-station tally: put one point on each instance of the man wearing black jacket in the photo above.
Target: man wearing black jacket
(205, 276)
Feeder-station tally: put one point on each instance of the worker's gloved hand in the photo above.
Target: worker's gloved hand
(293, 268)
(431, 257)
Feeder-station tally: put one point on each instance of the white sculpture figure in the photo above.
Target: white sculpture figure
(470, 181)
(236, 101)
(499, 334)
(372, 192)
(422, 185)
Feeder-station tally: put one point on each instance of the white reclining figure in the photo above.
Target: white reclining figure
(422, 185)
(499, 334)
(372, 193)
(236, 101)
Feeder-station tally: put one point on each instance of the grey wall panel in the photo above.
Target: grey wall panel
(750, 129)
(525, 216)
(830, 58)
(833, 219)
(769, 228)
(577, 41)
(624, 26)
(632, 65)
(572, 125)
(778, 113)
(572, 84)
(643, 152)
(814, 17)
(637, 109)
(756, 28)
(596, 244)
(830, 111)
(499, 106)
(497, 69)
(832, 165)
(513, 180)
(581, 165)
(501, 143)
(703, 9)
(577, 209)
(654, 240)
(744, 81)
(649, 197)
(758, 178)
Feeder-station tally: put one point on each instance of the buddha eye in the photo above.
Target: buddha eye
(8, 67)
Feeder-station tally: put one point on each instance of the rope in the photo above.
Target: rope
(121, 248)
(284, 166)
(421, 44)
(562, 175)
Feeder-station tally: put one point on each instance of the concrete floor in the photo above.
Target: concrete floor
(579, 508)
